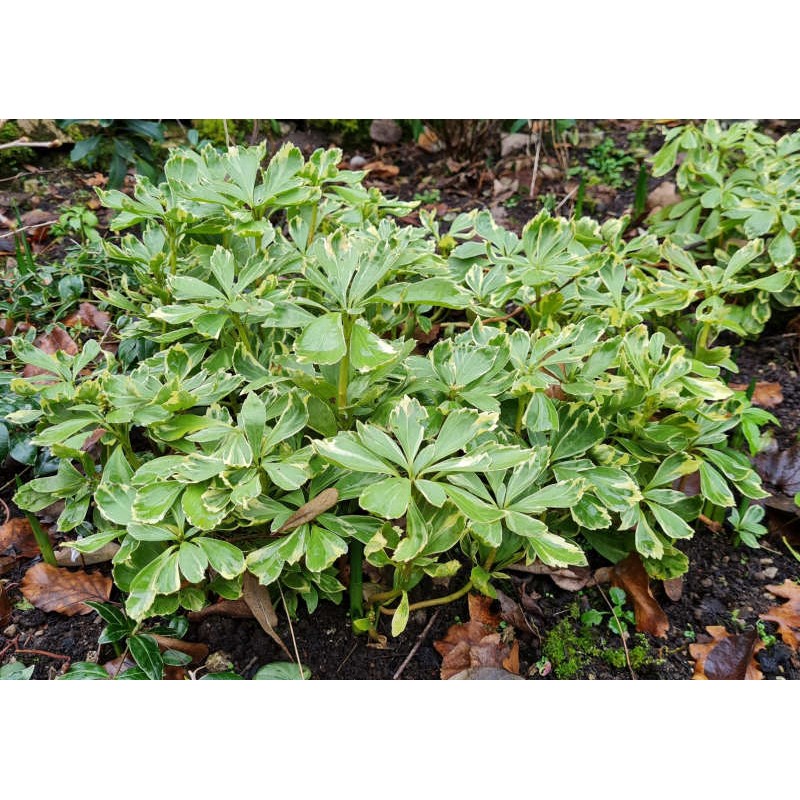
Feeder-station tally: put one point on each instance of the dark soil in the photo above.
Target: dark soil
(726, 585)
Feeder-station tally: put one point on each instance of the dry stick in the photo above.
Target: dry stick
(291, 631)
(619, 628)
(420, 640)
(572, 192)
(344, 661)
(42, 653)
(7, 509)
(27, 228)
(535, 165)
(23, 143)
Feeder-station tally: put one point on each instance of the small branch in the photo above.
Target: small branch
(25, 143)
(620, 629)
(571, 192)
(27, 228)
(535, 165)
(291, 631)
(42, 653)
(420, 640)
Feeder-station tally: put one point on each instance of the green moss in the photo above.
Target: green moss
(214, 129)
(571, 648)
(12, 159)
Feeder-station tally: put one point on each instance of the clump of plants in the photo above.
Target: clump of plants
(271, 408)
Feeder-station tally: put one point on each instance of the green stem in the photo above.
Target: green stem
(436, 601)
(702, 338)
(520, 414)
(313, 227)
(356, 589)
(244, 336)
(344, 369)
(42, 539)
(123, 437)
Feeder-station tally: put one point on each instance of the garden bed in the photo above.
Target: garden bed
(563, 633)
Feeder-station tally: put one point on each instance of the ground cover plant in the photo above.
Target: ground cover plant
(312, 398)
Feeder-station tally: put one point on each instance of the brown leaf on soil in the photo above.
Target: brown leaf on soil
(119, 664)
(5, 607)
(57, 589)
(7, 564)
(429, 141)
(727, 657)
(512, 613)
(431, 336)
(786, 616)
(630, 575)
(98, 179)
(377, 169)
(765, 394)
(260, 603)
(89, 316)
(196, 650)
(480, 610)
(311, 510)
(473, 644)
(570, 579)
(67, 557)
(673, 588)
(17, 539)
(665, 194)
(51, 343)
(780, 471)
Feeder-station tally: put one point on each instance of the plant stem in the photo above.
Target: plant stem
(42, 539)
(436, 601)
(520, 414)
(356, 589)
(344, 370)
(244, 336)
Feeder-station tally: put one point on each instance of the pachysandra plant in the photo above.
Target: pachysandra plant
(270, 410)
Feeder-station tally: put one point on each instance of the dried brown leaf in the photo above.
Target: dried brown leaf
(51, 343)
(786, 616)
(571, 579)
(673, 588)
(311, 510)
(780, 471)
(429, 141)
(665, 194)
(62, 590)
(17, 539)
(67, 557)
(512, 613)
(89, 316)
(727, 657)
(196, 650)
(119, 664)
(765, 394)
(260, 603)
(480, 610)
(5, 607)
(226, 608)
(7, 563)
(630, 575)
(377, 169)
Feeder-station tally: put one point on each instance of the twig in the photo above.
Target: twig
(571, 192)
(420, 640)
(27, 228)
(513, 314)
(24, 143)
(42, 653)
(344, 660)
(620, 629)
(291, 631)
(7, 509)
(535, 165)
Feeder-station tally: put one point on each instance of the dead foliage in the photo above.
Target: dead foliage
(51, 343)
(5, 607)
(67, 557)
(377, 169)
(630, 575)
(765, 394)
(787, 615)
(311, 510)
(260, 603)
(64, 591)
(89, 316)
(17, 539)
(197, 651)
(569, 578)
(673, 588)
(780, 471)
(474, 645)
(726, 656)
(226, 608)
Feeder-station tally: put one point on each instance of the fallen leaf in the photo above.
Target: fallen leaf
(89, 316)
(5, 607)
(569, 578)
(67, 557)
(780, 472)
(119, 664)
(786, 616)
(512, 613)
(172, 673)
(62, 590)
(7, 563)
(727, 657)
(51, 343)
(17, 539)
(765, 394)
(429, 141)
(426, 338)
(377, 169)
(311, 510)
(480, 610)
(98, 179)
(630, 575)
(260, 603)
(673, 588)
(38, 223)
(197, 650)
(475, 644)
(665, 194)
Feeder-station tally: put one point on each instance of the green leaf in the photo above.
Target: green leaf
(647, 543)
(253, 419)
(84, 671)
(714, 487)
(192, 561)
(187, 288)
(580, 430)
(282, 671)
(224, 557)
(152, 502)
(345, 451)
(368, 351)
(481, 580)
(146, 654)
(671, 524)
(222, 266)
(197, 512)
(473, 509)
(323, 548)
(400, 616)
(322, 341)
(388, 498)
(557, 495)
(782, 249)
(407, 423)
